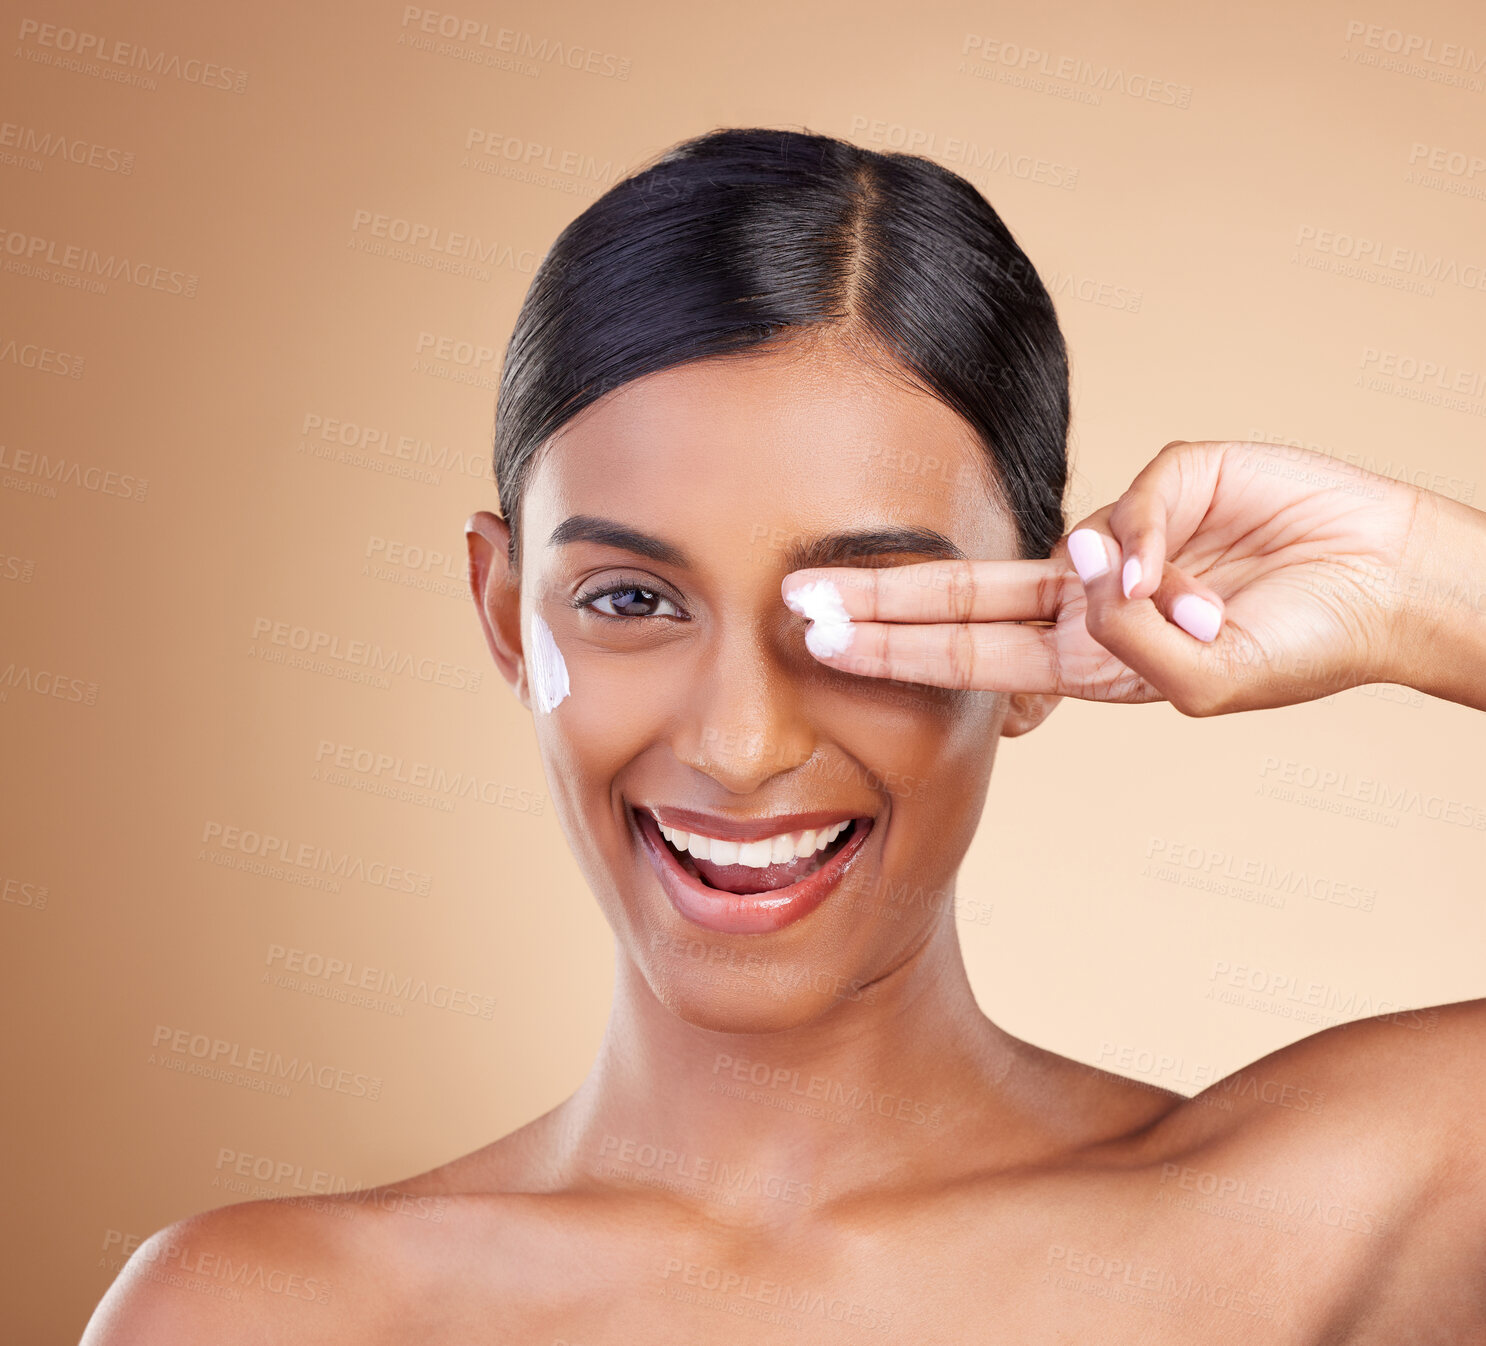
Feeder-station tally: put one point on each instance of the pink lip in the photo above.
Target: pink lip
(746, 913)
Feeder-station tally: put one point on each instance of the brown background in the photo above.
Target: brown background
(1197, 256)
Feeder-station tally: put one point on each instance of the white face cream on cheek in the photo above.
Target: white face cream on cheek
(830, 631)
(545, 666)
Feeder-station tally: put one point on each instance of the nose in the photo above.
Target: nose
(745, 722)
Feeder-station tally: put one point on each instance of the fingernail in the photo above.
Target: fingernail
(1086, 551)
(1130, 575)
(1196, 616)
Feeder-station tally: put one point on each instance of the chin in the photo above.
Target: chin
(735, 1001)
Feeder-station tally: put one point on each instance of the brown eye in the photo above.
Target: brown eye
(632, 602)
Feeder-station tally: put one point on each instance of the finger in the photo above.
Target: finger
(940, 591)
(1164, 642)
(976, 656)
(1160, 510)
(1189, 604)
(1179, 598)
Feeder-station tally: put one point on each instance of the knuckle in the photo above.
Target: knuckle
(960, 591)
(962, 658)
(888, 655)
(1199, 700)
(1096, 620)
(1049, 591)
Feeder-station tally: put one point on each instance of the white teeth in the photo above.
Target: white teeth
(755, 854)
(723, 852)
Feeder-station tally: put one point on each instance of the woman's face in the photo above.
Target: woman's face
(692, 689)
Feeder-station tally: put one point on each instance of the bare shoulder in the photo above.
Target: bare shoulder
(366, 1266)
(1374, 1126)
(278, 1270)
(1412, 1076)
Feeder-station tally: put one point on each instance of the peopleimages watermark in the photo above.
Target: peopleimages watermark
(410, 565)
(1436, 383)
(1438, 373)
(430, 245)
(1293, 781)
(257, 1176)
(1288, 996)
(259, 1068)
(788, 1083)
(217, 1274)
(272, 852)
(39, 359)
(1398, 265)
(1396, 469)
(1270, 1199)
(471, 363)
(20, 569)
(1064, 76)
(19, 893)
(537, 162)
(1151, 1285)
(375, 448)
(1216, 1090)
(972, 159)
(1446, 169)
(344, 978)
(473, 40)
(46, 682)
(23, 143)
(777, 978)
(123, 62)
(39, 474)
(410, 781)
(86, 268)
(358, 660)
(729, 1291)
(1417, 54)
(1251, 878)
(654, 1163)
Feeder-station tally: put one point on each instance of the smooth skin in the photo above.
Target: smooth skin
(816, 1134)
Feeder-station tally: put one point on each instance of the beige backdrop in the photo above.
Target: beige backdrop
(257, 271)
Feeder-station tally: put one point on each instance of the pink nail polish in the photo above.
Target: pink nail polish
(1196, 616)
(1086, 551)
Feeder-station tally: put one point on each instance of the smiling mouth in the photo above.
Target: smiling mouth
(757, 866)
(739, 886)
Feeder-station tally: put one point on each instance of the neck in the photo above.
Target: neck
(871, 1087)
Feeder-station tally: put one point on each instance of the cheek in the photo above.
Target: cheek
(919, 744)
(607, 715)
(547, 669)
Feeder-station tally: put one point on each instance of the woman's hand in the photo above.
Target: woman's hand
(1234, 576)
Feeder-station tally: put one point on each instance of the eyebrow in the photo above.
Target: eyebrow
(801, 554)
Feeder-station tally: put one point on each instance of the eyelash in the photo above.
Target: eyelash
(620, 587)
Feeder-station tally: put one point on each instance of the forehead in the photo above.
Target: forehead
(795, 441)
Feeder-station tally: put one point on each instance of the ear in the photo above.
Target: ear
(1026, 710)
(497, 595)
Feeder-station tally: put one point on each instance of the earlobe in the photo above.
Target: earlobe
(497, 596)
(1026, 710)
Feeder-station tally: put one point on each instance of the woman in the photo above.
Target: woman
(780, 447)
